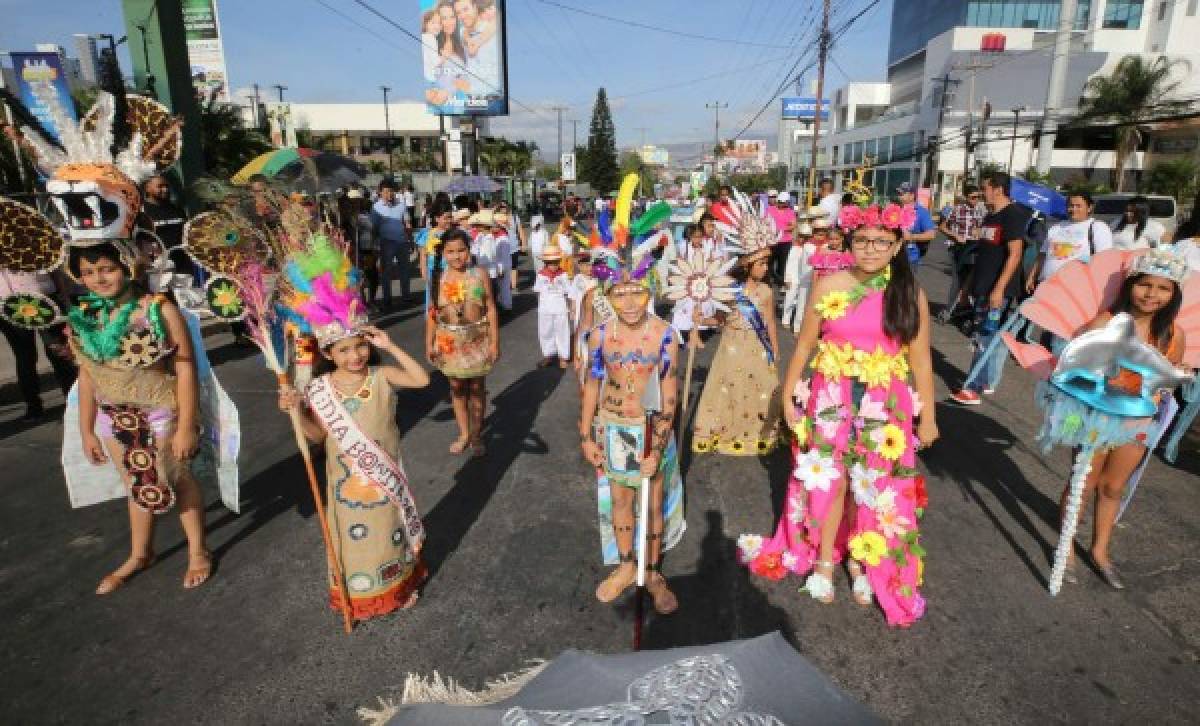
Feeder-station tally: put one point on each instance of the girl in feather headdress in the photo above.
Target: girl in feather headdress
(375, 527)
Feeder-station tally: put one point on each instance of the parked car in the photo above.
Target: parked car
(1110, 207)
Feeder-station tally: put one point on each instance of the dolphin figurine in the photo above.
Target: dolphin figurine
(1100, 354)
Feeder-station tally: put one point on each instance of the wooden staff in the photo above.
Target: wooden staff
(339, 584)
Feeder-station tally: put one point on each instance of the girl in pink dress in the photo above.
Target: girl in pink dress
(855, 489)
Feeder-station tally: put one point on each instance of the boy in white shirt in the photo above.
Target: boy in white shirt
(553, 288)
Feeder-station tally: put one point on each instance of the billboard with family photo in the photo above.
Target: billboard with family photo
(464, 59)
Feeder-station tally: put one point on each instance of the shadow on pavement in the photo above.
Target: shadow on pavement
(508, 432)
(778, 465)
(710, 612)
(271, 492)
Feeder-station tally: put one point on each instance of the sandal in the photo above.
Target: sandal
(616, 583)
(860, 586)
(197, 576)
(820, 586)
(459, 445)
(112, 581)
(665, 601)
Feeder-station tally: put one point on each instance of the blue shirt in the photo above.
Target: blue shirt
(924, 221)
(389, 220)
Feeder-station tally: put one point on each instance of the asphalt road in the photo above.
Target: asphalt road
(513, 551)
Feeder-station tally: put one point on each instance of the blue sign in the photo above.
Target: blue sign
(804, 108)
(1038, 198)
(42, 68)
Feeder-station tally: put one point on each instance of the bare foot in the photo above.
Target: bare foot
(117, 577)
(617, 582)
(459, 445)
(665, 601)
(198, 571)
(412, 600)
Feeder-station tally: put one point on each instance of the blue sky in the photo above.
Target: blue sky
(336, 51)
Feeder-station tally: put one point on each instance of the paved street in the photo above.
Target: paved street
(513, 552)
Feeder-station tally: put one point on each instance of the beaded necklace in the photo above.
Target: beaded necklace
(102, 341)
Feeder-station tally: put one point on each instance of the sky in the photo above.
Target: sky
(658, 83)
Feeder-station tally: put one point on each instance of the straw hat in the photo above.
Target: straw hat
(822, 223)
(815, 212)
(462, 215)
(552, 252)
(482, 218)
(804, 229)
(500, 219)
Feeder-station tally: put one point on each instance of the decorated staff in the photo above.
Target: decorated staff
(1131, 318)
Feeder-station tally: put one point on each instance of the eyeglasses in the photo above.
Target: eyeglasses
(879, 244)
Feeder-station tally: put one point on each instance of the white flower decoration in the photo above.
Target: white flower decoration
(885, 502)
(702, 281)
(790, 560)
(891, 524)
(795, 509)
(816, 470)
(749, 545)
(862, 483)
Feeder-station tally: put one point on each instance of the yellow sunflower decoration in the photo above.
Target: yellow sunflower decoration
(868, 547)
(834, 305)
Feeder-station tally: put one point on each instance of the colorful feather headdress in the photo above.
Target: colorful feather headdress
(624, 252)
(748, 233)
(323, 298)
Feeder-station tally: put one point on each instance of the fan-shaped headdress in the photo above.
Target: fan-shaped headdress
(748, 234)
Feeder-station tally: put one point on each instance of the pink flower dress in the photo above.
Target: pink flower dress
(857, 422)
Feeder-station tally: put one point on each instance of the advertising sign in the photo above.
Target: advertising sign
(44, 70)
(206, 55)
(464, 57)
(279, 122)
(804, 109)
(654, 156)
(568, 167)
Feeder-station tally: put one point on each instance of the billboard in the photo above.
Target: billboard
(206, 55)
(804, 109)
(654, 156)
(464, 57)
(42, 68)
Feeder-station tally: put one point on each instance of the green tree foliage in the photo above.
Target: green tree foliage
(227, 142)
(1137, 90)
(599, 166)
(1033, 176)
(1176, 178)
(501, 157)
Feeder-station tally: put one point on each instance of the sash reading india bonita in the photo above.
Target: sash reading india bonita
(365, 458)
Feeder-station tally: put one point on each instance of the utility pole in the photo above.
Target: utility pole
(1054, 89)
(387, 124)
(574, 134)
(716, 106)
(257, 120)
(821, 58)
(559, 110)
(973, 67)
(1012, 145)
(281, 89)
(945, 80)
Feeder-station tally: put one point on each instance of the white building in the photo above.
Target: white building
(979, 52)
(89, 57)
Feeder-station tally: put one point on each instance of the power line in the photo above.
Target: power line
(569, 60)
(655, 28)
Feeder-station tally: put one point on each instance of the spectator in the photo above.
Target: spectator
(830, 200)
(366, 244)
(720, 208)
(23, 342)
(168, 220)
(995, 282)
(410, 203)
(538, 236)
(1078, 238)
(518, 242)
(961, 227)
(1136, 230)
(392, 230)
(784, 218)
(923, 230)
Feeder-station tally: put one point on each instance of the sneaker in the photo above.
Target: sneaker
(966, 397)
(988, 391)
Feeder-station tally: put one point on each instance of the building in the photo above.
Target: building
(71, 66)
(360, 130)
(974, 73)
(797, 124)
(89, 58)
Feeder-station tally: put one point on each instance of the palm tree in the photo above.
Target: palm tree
(1137, 91)
(227, 142)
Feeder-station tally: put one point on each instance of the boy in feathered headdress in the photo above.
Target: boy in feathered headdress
(627, 356)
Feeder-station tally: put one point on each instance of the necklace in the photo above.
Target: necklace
(359, 387)
(100, 341)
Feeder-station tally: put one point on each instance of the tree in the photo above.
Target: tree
(502, 157)
(227, 142)
(1176, 178)
(1137, 91)
(600, 162)
(1032, 176)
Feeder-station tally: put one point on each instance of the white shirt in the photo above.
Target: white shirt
(409, 200)
(537, 242)
(1151, 236)
(1068, 241)
(552, 294)
(600, 205)
(832, 204)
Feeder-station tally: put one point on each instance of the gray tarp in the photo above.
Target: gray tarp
(775, 681)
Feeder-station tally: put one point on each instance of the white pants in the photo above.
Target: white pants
(554, 333)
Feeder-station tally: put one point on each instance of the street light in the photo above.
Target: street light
(281, 89)
(387, 123)
(1012, 145)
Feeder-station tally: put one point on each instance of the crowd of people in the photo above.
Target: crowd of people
(855, 403)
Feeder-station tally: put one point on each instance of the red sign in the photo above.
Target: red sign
(993, 43)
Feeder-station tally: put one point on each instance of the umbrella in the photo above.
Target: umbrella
(271, 163)
(471, 185)
(758, 681)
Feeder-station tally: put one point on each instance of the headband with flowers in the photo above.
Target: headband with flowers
(893, 216)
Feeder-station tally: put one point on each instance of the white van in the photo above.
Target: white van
(1110, 207)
